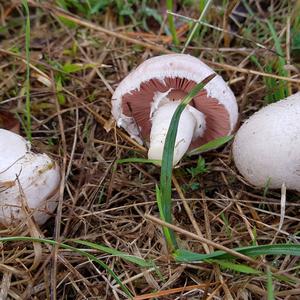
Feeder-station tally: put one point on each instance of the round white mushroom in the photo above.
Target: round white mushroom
(28, 181)
(142, 104)
(266, 149)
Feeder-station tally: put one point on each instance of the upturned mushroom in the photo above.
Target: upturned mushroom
(28, 181)
(266, 149)
(145, 101)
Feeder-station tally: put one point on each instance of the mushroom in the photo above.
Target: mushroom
(145, 101)
(28, 181)
(266, 149)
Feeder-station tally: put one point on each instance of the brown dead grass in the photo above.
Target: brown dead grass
(107, 203)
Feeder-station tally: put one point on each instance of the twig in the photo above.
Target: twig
(189, 211)
(170, 291)
(249, 71)
(224, 31)
(201, 239)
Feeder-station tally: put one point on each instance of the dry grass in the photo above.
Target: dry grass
(107, 203)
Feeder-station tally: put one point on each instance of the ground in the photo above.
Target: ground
(78, 53)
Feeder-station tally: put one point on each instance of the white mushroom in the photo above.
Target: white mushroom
(28, 181)
(266, 149)
(145, 101)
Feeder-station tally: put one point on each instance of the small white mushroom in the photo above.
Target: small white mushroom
(266, 149)
(28, 181)
(145, 101)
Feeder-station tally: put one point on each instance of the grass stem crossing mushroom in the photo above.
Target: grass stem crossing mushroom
(145, 101)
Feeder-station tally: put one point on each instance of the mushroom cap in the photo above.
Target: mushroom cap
(25, 177)
(178, 74)
(12, 148)
(266, 148)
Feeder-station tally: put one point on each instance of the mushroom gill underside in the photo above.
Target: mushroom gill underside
(153, 120)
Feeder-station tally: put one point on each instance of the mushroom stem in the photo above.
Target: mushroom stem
(190, 126)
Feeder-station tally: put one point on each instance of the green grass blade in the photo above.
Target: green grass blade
(69, 68)
(196, 25)
(59, 89)
(281, 64)
(27, 84)
(131, 258)
(138, 160)
(214, 144)
(172, 23)
(168, 233)
(196, 89)
(240, 268)
(167, 160)
(66, 246)
(227, 225)
(275, 39)
(270, 287)
(276, 249)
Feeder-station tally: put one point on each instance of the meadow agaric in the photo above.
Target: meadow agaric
(145, 101)
(266, 149)
(28, 181)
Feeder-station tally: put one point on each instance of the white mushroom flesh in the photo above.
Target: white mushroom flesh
(191, 124)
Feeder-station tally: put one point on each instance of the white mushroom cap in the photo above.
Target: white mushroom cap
(167, 78)
(266, 148)
(25, 177)
(11, 142)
